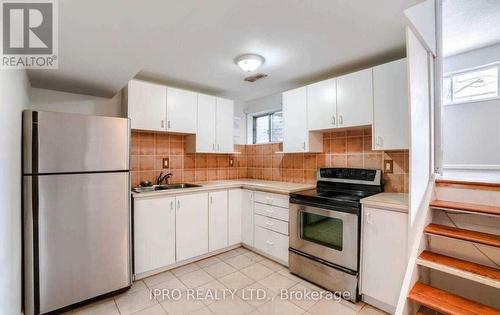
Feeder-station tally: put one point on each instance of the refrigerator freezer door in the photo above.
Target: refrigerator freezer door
(83, 236)
(69, 143)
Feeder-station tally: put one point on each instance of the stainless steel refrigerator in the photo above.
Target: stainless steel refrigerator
(76, 209)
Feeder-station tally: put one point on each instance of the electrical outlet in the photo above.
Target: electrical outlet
(166, 163)
(388, 164)
(231, 162)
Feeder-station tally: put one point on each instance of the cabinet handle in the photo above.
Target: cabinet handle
(341, 120)
(304, 145)
(369, 218)
(251, 196)
(269, 243)
(211, 199)
(333, 120)
(168, 124)
(171, 205)
(162, 123)
(269, 211)
(269, 223)
(213, 146)
(218, 147)
(178, 204)
(380, 141)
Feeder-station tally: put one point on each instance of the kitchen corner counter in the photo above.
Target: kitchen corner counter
(253, 184)
(391, 201)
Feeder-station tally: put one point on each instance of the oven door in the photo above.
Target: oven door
(326, 234)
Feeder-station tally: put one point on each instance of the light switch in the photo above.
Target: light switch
(166, 163)
(388, 166)
(231, 162)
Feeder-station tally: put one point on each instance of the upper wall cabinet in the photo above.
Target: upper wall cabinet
(390, 106)
(322, 105)
(355, 99)
(182, 109)
(296, 136)
(146, 105)
(214, 132)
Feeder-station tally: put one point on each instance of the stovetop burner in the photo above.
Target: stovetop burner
(342, 187)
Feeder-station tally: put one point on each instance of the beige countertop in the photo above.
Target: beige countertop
(253, 184)
(392, 201)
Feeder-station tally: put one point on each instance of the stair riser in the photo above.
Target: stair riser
(468, 195)
(479, 254)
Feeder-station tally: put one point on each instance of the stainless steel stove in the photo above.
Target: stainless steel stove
(325, 227)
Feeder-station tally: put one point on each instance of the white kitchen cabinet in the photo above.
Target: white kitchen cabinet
(390, 106)
(182, 110)
(154, 233)
(247, 225)
(224, 125)
(296, 136)
(146, 105)
(322, 105)
(355, 99)
(217, 220)
(191, 225)
(214, 127)
(204, 140)
(235, 205)
(384, 255)
(272, 243)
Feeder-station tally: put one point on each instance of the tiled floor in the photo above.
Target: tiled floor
(240, 270)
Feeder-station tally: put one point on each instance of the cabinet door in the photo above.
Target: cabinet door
(154, 233)
(224, 125)
(247, 217)
(384, 254)
(355, 99)
(217, 220)
(322, 105)
(235, 205)
(147, 105)
(390, 106)
(205, 135)
(191, 225)
(295, 132)
(182, 108)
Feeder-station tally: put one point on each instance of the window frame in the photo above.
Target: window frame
(450, 76)
(270, 126)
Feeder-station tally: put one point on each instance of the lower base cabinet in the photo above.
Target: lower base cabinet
(217, 220)
(272, 243)
(154, 233)
(384, 256)
(191, 226)
(235, 204)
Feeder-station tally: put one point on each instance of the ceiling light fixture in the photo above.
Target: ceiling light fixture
(249, 62)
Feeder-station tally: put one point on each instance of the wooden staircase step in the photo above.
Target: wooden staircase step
(467, 184)
(447, 303)
(461, 268)
(463, 234)
(465, 207)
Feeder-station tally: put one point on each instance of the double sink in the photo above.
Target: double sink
(165, 187)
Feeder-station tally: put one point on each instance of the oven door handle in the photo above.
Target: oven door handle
(346, 209)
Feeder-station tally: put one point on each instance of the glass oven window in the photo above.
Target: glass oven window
(322, 230)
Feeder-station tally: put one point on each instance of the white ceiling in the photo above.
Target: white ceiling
(469, 25)
(192, 43)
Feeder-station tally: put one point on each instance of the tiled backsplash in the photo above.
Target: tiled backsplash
(351, 148)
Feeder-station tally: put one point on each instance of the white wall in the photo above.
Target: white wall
(56, 101)
(471, 145)
(14, 97)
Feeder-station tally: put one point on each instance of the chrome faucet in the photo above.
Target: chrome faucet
(163, 178)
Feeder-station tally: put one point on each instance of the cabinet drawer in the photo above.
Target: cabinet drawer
(271, 224)
(271, 211)
(272, 199)
(272, 243)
